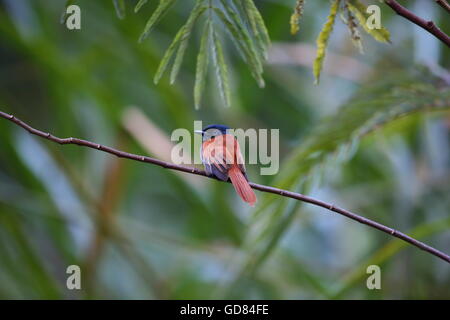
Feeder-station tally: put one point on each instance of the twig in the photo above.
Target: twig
(444, 4)
(427, 25)
(255, 186)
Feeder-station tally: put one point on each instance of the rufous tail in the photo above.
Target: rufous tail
(241, 185)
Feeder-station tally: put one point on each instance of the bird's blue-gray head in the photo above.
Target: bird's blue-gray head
(212, 131)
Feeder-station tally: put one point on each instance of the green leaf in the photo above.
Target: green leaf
(182, 36)
(119, 5)
(236, 19)
(202, 65)
(359, 10)
(198, 10)
(242, 45)
(161, 10)
(167, 56)
(220, 67)
(139, 5)
(322, 40)
(258, 26)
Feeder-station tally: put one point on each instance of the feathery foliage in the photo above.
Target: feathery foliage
(202, 64)
(244, 24)
(259, 28)
(161, 10)
(220, 67)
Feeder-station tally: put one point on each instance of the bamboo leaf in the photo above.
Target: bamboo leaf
(119, 5)
(198, 10)
(202, 65)
(221, 68)
(359, 10)
(161, 10)
(139, 5)
(322, 40)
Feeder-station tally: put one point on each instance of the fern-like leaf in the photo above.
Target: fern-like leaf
(195, 14)
(258, 26)
(242, 46)
(182, 36)
(139, 5)
(161, 10)
(167, 56)
(220, 67)
(202, 65)
(236, 19)
(322, 40)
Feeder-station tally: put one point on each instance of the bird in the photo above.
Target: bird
(222, 158)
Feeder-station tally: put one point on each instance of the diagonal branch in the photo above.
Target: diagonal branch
(263, 188)
(444, 4)
(429, 26)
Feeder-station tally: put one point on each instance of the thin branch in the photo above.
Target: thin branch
(263, 188)
(427, 25)
(444, 4)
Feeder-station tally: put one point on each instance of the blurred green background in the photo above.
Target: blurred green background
(372, 137)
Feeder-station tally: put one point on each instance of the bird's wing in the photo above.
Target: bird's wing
(220, 153)
(214, 158)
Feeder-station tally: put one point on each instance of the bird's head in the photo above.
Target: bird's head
(212, 131)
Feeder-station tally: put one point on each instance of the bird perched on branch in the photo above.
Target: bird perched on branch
(222, 158)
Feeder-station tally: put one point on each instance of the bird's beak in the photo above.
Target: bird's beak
(199, 131)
